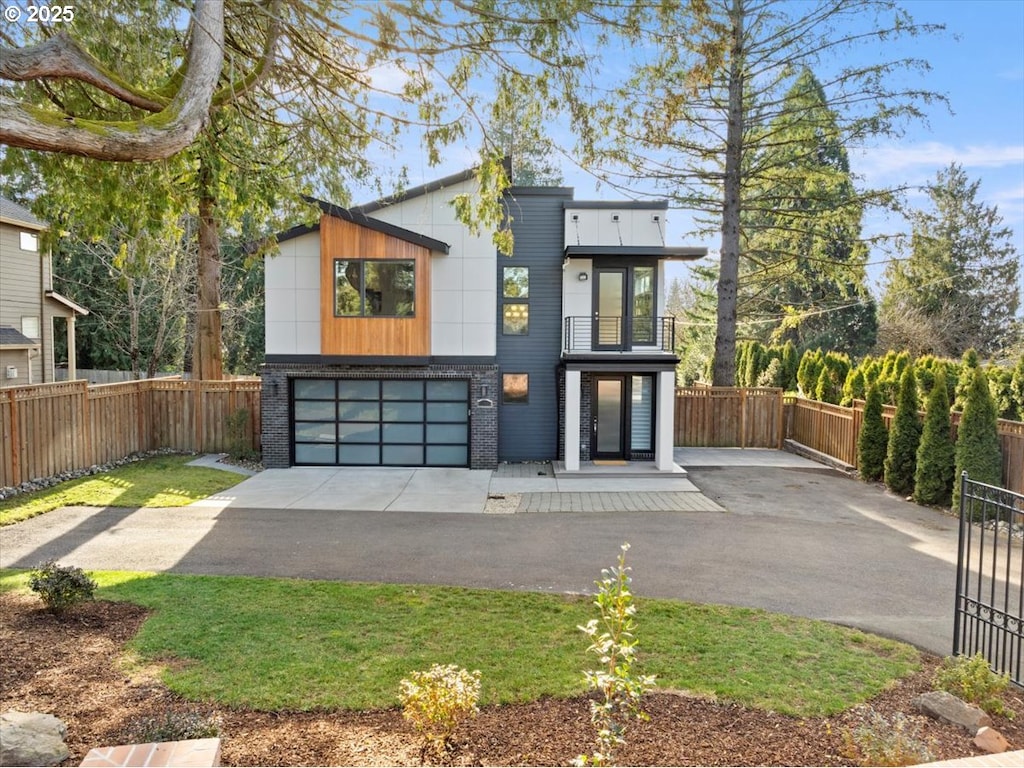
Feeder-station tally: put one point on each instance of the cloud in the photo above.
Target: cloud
(883, 164)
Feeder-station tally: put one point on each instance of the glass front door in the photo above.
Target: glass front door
(609, 422)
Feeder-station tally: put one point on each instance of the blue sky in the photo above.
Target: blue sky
(978, 63)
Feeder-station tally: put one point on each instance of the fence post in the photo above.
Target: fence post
(15, 441)
(197, 421)
(743, 417)
(90, 451)
(858, 422)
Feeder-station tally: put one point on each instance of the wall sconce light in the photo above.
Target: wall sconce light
(583, 277)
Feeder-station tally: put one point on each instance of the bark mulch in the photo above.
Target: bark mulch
(71, 667)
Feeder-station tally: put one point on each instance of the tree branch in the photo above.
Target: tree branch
(158, 136)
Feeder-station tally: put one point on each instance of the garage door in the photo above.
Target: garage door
(381, 422)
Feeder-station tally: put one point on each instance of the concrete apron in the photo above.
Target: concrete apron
(398, 489)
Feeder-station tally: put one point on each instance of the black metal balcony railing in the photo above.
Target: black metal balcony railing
(619, 334)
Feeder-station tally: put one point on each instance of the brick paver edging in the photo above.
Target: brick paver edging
(193, 753)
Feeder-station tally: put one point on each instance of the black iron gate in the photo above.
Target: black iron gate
(989, 613)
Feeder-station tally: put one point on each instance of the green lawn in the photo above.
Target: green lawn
(289, 644)
(163, 481)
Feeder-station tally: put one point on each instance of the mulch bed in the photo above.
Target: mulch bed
(70, 668)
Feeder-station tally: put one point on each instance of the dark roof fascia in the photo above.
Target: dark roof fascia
(623, 363)
(358, 217)
(299, 231)
(635, 251)
(541, 192)
(617, 205)
(426, 189)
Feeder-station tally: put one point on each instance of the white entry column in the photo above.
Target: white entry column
(664, 435)
(571, 448)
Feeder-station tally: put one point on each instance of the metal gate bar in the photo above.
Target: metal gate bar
(989, 611)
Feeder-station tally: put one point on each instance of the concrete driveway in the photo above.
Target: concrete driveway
(796, 538)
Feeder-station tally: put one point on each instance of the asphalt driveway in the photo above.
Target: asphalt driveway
(798, 539)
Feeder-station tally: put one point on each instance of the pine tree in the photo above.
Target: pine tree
(933, 479)
(873, 439)
(977, 442)
(904, 437)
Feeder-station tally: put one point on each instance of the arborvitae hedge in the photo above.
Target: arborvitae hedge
(933, 479)
(977, 441)
(873, 440)
(901, 453)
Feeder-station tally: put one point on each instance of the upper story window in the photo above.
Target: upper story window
(30, 242)
(515, 282)
(374, 288)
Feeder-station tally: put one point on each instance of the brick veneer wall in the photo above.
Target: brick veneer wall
(483, 448)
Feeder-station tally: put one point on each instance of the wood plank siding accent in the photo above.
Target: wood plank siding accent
(400, 336)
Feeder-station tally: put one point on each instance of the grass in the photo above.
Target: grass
(163, 481)
(279, 644)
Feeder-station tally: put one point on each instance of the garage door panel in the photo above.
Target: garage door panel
(390, 422)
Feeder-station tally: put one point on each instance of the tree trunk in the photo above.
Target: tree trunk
(724, 374)
(207, 357)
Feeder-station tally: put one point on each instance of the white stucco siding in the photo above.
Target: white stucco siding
(463, 301)
(577, 296)
(292, 307)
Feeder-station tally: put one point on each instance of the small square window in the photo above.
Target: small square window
(515, 388)
(30, 241)
(516, 282)
(30, 327)
(515, 319)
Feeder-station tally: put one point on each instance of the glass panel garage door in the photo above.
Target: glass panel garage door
(381, 422)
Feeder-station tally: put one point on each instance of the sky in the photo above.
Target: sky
(978, 63)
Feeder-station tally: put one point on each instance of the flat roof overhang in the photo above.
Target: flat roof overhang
(685, 253)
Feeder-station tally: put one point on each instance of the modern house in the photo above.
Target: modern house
(28, 303)
(397, 337)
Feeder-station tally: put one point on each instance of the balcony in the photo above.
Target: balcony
(599, 333)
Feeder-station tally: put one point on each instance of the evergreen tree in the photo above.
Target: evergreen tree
(977, 441)
(933, 478)
(790, 364)
(1017, 389)
(961, 275)
(904, 437)
(873, 440)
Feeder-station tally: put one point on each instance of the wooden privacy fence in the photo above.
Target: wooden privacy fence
(46, 429)
(734, 417)
(833, 430)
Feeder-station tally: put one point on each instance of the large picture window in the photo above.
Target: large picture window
(374, 288)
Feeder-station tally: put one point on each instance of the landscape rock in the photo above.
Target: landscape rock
(991, 740)
(32, 738)
(948, 708)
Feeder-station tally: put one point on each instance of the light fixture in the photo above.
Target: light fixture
(583, 277)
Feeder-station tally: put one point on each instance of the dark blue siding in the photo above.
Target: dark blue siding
(529, 432)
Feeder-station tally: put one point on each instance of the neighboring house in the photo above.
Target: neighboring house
(28, 303)
(396, 337)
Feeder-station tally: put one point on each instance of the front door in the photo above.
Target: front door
(609, 422)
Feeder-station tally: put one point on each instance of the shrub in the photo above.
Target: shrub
(436, 701)
(808, 372)
(616, 681)
(977, 442)
(1017, 390)
(61, 586)
(971, 679)
(901, 452)
(933, 478)
(881, 741)
(173, 726)
(873, 440)
(239, 439)
(772, 376)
